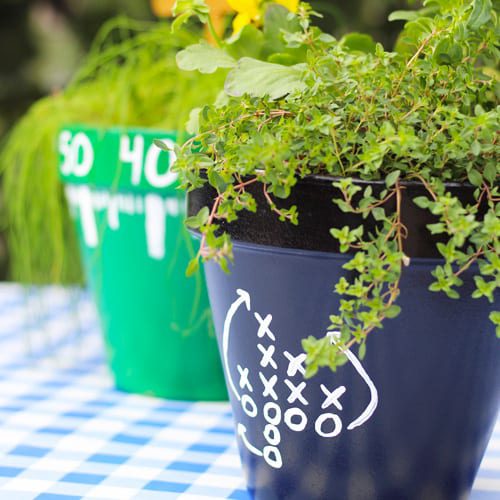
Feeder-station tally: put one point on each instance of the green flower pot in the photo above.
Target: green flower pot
(129, 216)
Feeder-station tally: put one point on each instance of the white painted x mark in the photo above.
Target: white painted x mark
(269, 386)
(332, 398)
(267, 356)
(295, 364)
(296, 392)
(244, 382)
(264, 326)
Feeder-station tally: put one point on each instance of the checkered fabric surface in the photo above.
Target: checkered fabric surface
(66, 434)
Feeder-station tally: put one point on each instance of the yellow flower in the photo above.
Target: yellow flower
(247, 12)
(291, 5)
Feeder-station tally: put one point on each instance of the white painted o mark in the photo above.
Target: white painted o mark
(276, 419)
(322, 419)
(295, 426)
(151, 169)
(273, 457)
(249, 406)
(83, 167)
(272, 434)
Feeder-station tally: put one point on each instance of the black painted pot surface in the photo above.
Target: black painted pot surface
(411, 421)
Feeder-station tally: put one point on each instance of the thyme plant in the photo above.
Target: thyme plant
(428, 113)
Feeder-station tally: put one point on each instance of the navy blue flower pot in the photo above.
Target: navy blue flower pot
(411, 421)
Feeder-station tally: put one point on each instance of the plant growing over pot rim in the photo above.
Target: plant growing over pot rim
(350, 110)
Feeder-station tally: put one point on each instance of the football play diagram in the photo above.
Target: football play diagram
(297, 414)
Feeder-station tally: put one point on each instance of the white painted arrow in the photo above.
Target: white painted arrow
(372, 406)
(244, 298)
(242, 433)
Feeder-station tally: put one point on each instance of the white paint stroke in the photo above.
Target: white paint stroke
(242, 433)
(114, 212)
(243, 298)
(81, 197)
(332, 398)
(372, 405)
(156, 225)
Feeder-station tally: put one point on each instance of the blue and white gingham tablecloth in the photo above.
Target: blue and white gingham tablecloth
(66, 434)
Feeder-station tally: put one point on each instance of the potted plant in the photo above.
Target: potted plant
(340, 186)
(122, 197)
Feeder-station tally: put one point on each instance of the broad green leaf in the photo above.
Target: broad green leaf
(204, 58)
(283, 58)
(481, 13)
(359, 42)
(248, 42)
(258, 79)
(277, 19)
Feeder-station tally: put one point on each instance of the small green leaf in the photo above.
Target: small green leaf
(490, 173)
(196, 221)
(476, 148)
(481, 13)
(422, 202)
(475, 178)
(393, 311)
(392, 178)
(437, 228)
(311, 370)
(362, 351)
(448, 52)
(452, 294)
(161, 145)
(204, 58)
(216, 181)
(495, 319)
(193, 267)
(193, 124)
(378, 213)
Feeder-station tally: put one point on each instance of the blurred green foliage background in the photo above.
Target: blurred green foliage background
(42, 43)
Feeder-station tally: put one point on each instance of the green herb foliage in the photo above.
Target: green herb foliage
(350, 109)
(129, 78)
